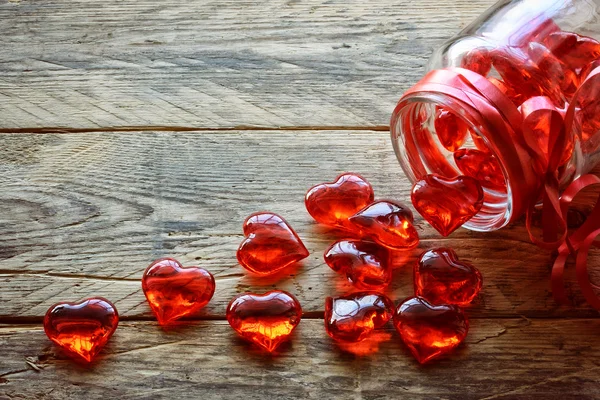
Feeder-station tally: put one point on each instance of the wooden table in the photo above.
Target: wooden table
(136, 130)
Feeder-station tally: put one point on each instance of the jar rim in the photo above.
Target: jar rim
(499, 208)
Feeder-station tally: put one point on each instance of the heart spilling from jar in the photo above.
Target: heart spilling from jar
(332, 203)
(441, 278)
(430, 331)
(270, 244)
(354, 317)
(447, 203)
(365, 264)
(388, 223)
(81, 329)
(264, 319)
(174, 291)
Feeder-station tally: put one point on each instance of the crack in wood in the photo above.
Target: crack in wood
(67, 276)
(142, 128)
(520, 389)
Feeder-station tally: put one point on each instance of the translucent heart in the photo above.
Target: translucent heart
(264, 319)
(477, 60)
(81, 329)
(575, 50)
(388, 223)
(365, 264)
(174, 291)
(332, 203)
(450, 129)
(441, 278)
(270, 244)
(352, 318)
(430, 331)
(482, 166)
(447, 203)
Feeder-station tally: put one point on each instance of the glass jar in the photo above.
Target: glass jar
(474, 112)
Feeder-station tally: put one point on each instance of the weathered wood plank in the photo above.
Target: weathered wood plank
(84, 214)
(501, 359)
(103, 63)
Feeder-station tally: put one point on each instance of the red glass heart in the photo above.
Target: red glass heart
(388, 223)
(264, 319)
(447, 203)
(515, 97)
(270, 244)
(352, 318)
(553, 70)
(450, 129)
(523, 76)
(174, 291)
(482, 166)
(430, 331)
(574, 50)
(429, 148)
(537, 32)
(365, 264)
(477, 60)
(441, 278)
(332, 203)
(81, 329)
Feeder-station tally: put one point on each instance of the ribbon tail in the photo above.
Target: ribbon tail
(578, 243)
(557, 279)
(554, 224)
(583, 278)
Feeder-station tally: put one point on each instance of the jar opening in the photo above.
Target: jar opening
(429, 130)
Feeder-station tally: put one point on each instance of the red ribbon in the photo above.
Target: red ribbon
(532, 170)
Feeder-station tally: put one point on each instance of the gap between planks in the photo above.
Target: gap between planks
(310, 315)
(66, 130)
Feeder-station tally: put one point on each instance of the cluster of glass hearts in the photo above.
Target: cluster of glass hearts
(430, 323)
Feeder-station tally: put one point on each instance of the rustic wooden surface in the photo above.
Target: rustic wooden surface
(132, 131)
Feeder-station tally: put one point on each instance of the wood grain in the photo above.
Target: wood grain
(106, 63)
(84, 214)
(501, 359)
